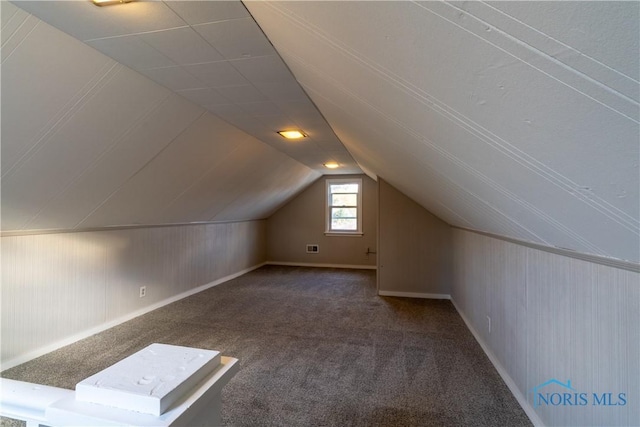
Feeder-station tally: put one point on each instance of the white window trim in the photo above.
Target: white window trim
(328, 231)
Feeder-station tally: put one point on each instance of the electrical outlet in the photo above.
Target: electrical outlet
(313, 248)
(143, 291)
(489, 323)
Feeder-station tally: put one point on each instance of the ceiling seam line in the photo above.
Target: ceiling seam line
(80, 98)
(141, 33)
(254, 172)
(298, 20)
(105, 79)
(117, 141)
(206, 62)
(137, 172)
(197, 180)
(582, 54)
(23, 38)
(633, 119)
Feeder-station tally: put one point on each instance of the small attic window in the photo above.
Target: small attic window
(344, 207)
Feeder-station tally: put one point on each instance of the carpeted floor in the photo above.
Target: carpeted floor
(317, 347)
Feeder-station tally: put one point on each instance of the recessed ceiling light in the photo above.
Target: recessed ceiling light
(292, 134)
(331, 165)
(109, 2)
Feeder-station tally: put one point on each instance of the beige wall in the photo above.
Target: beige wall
(552, 317)
(302, 222)
(56, 288)
(414, 246)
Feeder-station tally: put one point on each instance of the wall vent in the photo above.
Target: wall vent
(313, 249)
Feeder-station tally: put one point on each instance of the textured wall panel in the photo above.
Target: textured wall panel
(55, 286)
(554, 317)
(52, 286)
(414, 246)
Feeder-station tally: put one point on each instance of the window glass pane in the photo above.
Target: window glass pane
(344, 188)
(344, 199)
(344, 224)
(344, 213)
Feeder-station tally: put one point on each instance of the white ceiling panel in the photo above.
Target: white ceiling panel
(168, 174)
(84, 21)
(30, 103)
(283, 91)
(199, 12)
(294, 107)
(12, 18)
(174, 78)
(311, 119)
(277, 122)
(263, 69)
(182, 45)
(247, 122)
(216, 74)
(241, 182)
(331, 144)
(242, 94)
(111, 109)
(132, 51)
(237, 38)
(260, 108)
(209, 191)
(248, 187)
(206, 96)
(146, 139)
(269, 184)
(226, 111)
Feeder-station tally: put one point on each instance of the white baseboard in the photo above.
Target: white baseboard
(309, 264)
(522, 399)
(413, 295)
(110, 324)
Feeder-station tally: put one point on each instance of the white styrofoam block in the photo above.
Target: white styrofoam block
(150, 380)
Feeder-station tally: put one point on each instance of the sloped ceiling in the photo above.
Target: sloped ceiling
(515, 118)
(88, 142)
(214, 54)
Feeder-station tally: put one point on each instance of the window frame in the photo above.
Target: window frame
(337, 181)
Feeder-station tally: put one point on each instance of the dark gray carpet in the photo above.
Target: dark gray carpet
(317, 348)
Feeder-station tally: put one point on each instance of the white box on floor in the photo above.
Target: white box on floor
(151, 380)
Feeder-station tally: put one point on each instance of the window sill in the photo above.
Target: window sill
(343, 233)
